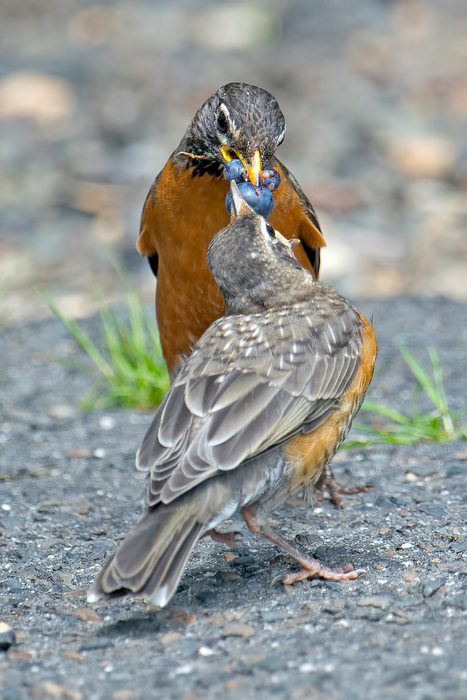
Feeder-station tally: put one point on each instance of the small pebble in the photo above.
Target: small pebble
(63, 412)
(170, 637)
(377, 601)
(307, 667)
(237, 629)
(7, 636)
(206, 651)
(107, 422)
(183, 670)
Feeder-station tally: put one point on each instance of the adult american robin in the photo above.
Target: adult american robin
(186, 207)
(254, 415)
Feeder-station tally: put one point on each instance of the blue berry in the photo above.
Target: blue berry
(259, 199)
(235, 170)
(271, 179)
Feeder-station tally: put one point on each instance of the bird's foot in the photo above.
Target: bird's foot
(228, 538)
(314, 568)
(328, 482)
(336, 491)
(310, 567)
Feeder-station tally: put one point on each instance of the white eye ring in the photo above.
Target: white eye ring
(223, 111)
(281, 137)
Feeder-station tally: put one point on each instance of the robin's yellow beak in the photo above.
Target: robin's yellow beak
(253, 168)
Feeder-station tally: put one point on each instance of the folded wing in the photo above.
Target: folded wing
(250, 384)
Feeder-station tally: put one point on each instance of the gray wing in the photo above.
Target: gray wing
(250, 384)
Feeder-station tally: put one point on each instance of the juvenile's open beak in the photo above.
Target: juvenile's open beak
(239, 206)
(253, 168)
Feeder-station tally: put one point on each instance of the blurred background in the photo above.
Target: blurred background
(94, 98)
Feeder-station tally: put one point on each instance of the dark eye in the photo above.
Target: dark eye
(221, 123)
(270, 230)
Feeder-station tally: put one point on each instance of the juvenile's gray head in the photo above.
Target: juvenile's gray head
(253, 265)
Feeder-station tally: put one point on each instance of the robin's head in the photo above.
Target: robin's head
(240, 121)
(254, 265)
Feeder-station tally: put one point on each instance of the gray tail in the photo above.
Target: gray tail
(151, 558)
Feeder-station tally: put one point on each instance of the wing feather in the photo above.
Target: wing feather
(175, 419)
(228, 406)
(234, 389)
(230, 421)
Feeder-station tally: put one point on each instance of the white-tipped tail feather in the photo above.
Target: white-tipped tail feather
(151, 558)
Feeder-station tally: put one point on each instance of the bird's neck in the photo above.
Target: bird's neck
(271, 292)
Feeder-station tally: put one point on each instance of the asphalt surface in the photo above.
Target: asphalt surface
(69, 492)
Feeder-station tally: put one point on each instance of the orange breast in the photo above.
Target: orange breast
(289, 218)
(180, 216)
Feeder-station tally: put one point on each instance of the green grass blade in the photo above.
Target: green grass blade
(435, 426)
(80, 336)
(386, 411)
(135, 372)
(391, 435)
(420, 375)
(114, 335)
(442, 399)
(137, 324)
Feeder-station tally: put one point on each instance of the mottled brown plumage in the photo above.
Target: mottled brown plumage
(254, 415)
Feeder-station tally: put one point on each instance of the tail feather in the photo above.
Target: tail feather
(178, 562)
(164, 579)
(150, 560)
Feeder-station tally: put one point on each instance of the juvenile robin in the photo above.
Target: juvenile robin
(241, 125)
(254, 415)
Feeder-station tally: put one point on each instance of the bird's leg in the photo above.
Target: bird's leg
(227, 538)
(310, 567)
(328, 481)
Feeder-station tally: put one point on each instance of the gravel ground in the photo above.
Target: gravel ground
(69, 493)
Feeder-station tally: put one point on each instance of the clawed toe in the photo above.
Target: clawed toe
(345, 573)
(337, 492)
(345, 569)
(288, 579)
(328, 482)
